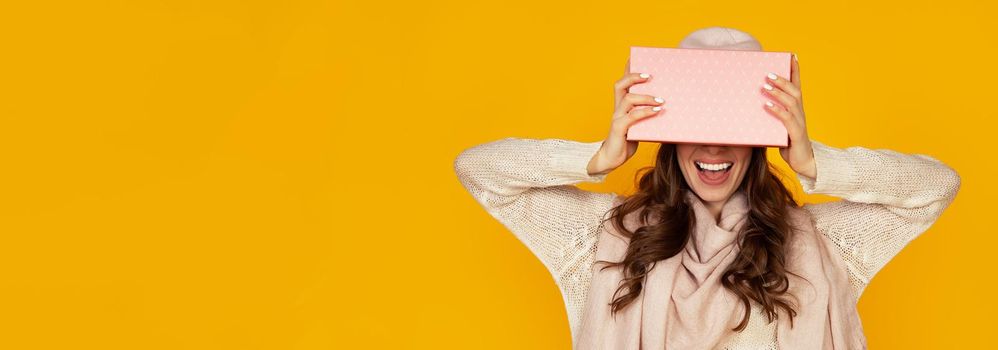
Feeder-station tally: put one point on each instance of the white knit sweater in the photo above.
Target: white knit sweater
(889, 198)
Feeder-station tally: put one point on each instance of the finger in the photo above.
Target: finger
(642, 99)
(625, 82)
(641, 113)
(791, 103)
(795, 72)
(784, 85)
(631, 100)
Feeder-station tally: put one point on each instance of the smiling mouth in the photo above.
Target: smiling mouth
(714, 167)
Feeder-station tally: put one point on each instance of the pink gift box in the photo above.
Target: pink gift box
(712, 96)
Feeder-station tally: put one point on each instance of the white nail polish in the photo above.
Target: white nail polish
(769, 103)
(644, 75)
(659, 100)
(771, 76)
(767, 86)
(656, 108)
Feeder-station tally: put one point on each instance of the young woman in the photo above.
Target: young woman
(711, 251)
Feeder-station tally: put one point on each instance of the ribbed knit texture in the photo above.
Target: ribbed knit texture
(889, 198)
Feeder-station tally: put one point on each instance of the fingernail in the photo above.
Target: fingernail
(659, 100)
(644, 75)
(795, 57)
(767, 86)
(769, 103)
(656, 108)
(771, 76)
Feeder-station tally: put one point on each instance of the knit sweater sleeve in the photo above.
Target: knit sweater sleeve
(528, 186)
(890, 198)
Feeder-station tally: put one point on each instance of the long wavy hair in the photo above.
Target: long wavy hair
(759, 271)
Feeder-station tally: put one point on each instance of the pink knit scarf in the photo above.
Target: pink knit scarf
(684, 306)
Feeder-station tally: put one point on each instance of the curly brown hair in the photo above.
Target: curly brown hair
(758, 273)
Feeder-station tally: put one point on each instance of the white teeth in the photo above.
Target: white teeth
(715, 167)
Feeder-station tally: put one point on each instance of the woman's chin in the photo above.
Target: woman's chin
(712, 193)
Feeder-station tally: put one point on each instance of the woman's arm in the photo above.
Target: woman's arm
(527, 184)
(890, 198)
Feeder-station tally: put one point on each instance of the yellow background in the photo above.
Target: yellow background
(278, 175)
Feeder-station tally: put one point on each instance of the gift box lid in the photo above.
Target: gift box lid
(712, 96)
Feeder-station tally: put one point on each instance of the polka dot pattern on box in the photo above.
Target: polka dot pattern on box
(711, 95)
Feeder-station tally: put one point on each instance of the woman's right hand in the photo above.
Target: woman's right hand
(616, 149)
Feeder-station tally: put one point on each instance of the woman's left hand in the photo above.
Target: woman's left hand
(789, 108)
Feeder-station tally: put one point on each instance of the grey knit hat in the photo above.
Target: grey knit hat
(720, 38)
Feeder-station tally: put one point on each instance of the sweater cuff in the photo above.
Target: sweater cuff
(834, 171)
(571, 160)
